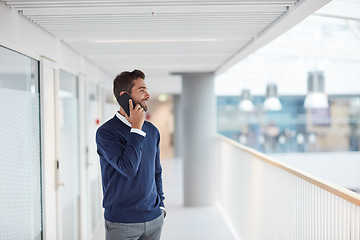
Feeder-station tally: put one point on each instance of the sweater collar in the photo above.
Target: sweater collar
(123, 119)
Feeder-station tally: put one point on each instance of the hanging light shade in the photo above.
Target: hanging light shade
(272, 102)
(316, 98)
(245, 103)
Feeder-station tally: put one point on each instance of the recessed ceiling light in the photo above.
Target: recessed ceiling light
(155, 40)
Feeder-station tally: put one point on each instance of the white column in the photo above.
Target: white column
(199, 129)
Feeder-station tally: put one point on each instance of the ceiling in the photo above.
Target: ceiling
(165, 36)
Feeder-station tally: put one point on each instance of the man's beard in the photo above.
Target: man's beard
(145, 107)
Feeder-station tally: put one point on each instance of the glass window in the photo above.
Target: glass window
(293, 128)
(319, 43)
(20, 162)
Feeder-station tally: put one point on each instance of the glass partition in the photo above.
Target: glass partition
(293, 128)
(322, 46)
(20, 160)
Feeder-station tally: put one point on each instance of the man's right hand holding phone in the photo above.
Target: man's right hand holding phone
(137, 115)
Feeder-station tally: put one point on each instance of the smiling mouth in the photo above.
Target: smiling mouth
(144, 105)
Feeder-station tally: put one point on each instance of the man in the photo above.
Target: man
(128, 147)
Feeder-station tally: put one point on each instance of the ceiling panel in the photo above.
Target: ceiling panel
(161, 36)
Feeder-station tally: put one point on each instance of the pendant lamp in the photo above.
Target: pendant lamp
(316, 98)
(245, 103)
(272, 102)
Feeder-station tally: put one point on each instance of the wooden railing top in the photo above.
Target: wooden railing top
(341, 192)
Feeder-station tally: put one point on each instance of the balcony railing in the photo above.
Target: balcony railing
(265, 199)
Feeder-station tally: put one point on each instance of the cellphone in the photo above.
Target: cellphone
(124, 102)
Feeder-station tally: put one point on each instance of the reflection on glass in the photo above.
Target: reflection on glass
(20, 163)
(69, 155)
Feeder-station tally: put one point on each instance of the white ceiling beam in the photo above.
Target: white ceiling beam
(102, 28)
(156, 21)
(88, 37)
(162, 21)
(119, 26)
(92, 3)
(144, 2)
(149, 34)
(159, 10)
(228, 15)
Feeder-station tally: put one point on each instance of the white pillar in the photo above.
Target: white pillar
(199, 130)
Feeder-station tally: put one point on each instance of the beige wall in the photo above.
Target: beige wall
(162, 116)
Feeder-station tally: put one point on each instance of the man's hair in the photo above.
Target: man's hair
(125, 82)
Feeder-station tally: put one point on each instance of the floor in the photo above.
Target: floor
(185, 223)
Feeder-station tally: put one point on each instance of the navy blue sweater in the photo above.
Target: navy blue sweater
(131, 172)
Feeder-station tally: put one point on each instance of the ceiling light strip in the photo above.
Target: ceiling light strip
(155, 40)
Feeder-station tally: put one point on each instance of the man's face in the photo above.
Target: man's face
(139, 93)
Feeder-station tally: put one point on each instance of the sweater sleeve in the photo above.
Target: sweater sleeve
(158, 174)
(124, 157)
